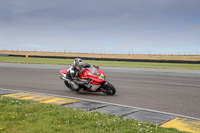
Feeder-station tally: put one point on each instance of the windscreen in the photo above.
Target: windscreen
(93, 70)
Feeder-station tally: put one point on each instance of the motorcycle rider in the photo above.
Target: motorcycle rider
(73, 72)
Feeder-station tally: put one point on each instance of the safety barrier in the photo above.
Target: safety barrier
(110, 59)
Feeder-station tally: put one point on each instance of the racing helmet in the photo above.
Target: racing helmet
(78, 63)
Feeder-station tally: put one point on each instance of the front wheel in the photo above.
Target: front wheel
(109, 89)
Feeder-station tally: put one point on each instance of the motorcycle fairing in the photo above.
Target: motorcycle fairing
(96, 75)
(63, 71)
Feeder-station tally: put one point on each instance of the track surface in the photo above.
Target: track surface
(173, 91)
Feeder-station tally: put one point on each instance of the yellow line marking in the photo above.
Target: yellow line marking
(61, 100)
(184, 124)
(41, 101)
(41, 98)
(38, 98)
(19, 95)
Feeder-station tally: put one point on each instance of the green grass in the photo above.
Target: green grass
(23, 116)
(100, 63)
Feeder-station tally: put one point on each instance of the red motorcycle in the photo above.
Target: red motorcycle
(96, 77)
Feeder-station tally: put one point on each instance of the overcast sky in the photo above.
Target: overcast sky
(115, 26)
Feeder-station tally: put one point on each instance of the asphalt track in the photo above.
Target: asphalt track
(172, 91)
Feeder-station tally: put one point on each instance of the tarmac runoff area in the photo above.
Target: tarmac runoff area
(182, 123)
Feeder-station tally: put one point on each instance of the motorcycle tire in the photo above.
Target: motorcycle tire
(109, 89)
(68, 85)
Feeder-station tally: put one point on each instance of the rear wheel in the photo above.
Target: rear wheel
(68, 85)
(109, 89)
(71, 87)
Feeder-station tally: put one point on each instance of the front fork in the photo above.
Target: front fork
(103, 86)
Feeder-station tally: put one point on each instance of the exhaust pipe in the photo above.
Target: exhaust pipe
(63, 78)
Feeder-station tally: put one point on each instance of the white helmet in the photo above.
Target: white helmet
(78, 63)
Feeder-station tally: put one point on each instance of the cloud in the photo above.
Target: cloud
(116, 25)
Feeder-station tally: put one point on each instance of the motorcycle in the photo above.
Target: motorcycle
(97, 80)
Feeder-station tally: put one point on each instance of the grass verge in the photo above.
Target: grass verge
(18, 116)
(100, 63)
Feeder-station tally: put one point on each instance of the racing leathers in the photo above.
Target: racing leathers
(73, 73)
